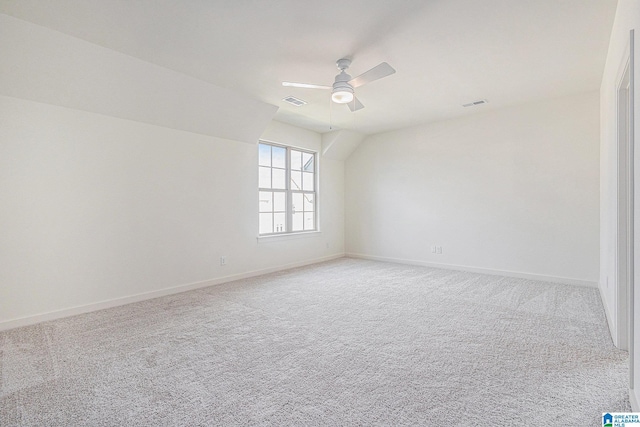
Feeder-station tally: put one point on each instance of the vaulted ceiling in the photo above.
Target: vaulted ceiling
(446, 52)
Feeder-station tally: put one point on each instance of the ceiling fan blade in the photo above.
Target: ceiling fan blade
(377, 72)
(355, 105)
(305, 85)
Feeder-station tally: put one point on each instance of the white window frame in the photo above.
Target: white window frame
(289, 192)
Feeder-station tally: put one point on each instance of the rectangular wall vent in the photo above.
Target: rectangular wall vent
(294, 101)
(474, 103)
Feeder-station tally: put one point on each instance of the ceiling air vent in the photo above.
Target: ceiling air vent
(294, 101)
(474, 103)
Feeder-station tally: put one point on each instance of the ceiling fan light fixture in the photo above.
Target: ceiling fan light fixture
(342, 96)
(342, 92)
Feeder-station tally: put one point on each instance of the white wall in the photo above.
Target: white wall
(627, 18)
(103, 202)
(513, 191)
(96, 208)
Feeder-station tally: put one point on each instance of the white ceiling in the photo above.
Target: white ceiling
(446, 52)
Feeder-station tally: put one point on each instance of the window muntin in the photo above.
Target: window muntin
(287, 189)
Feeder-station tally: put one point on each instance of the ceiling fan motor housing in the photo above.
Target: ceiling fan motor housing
(342, 92)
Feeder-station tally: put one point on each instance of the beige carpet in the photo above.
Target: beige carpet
(348, 342)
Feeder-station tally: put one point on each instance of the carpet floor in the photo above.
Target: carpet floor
(346, 342)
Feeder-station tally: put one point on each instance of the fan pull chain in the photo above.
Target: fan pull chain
(330, 114)
(353, 114)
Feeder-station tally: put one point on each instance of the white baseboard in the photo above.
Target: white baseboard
(633, 398)
(73, 311)
(480, 270)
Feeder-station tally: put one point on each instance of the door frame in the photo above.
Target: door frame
(624, 207)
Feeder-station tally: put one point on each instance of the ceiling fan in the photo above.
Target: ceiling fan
(342, 89)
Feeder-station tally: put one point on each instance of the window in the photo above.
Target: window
(287, 189)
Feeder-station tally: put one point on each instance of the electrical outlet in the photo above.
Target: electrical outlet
(433, 249)
(223, 260)
(439, 250)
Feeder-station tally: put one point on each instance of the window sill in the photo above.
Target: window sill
(287, 236)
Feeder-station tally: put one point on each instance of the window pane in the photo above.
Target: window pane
(308, 202)
(296, 180)
(266, 204)
(264, 155)
(297, 224)
(279, 155)
(297, 204)
(279, 178)
(266, 223)
(307, 181)
(264, 177)
(296, 160)
(309, 224)
(286, 179)
(307, 162)
(279, 202)
(279, 220)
